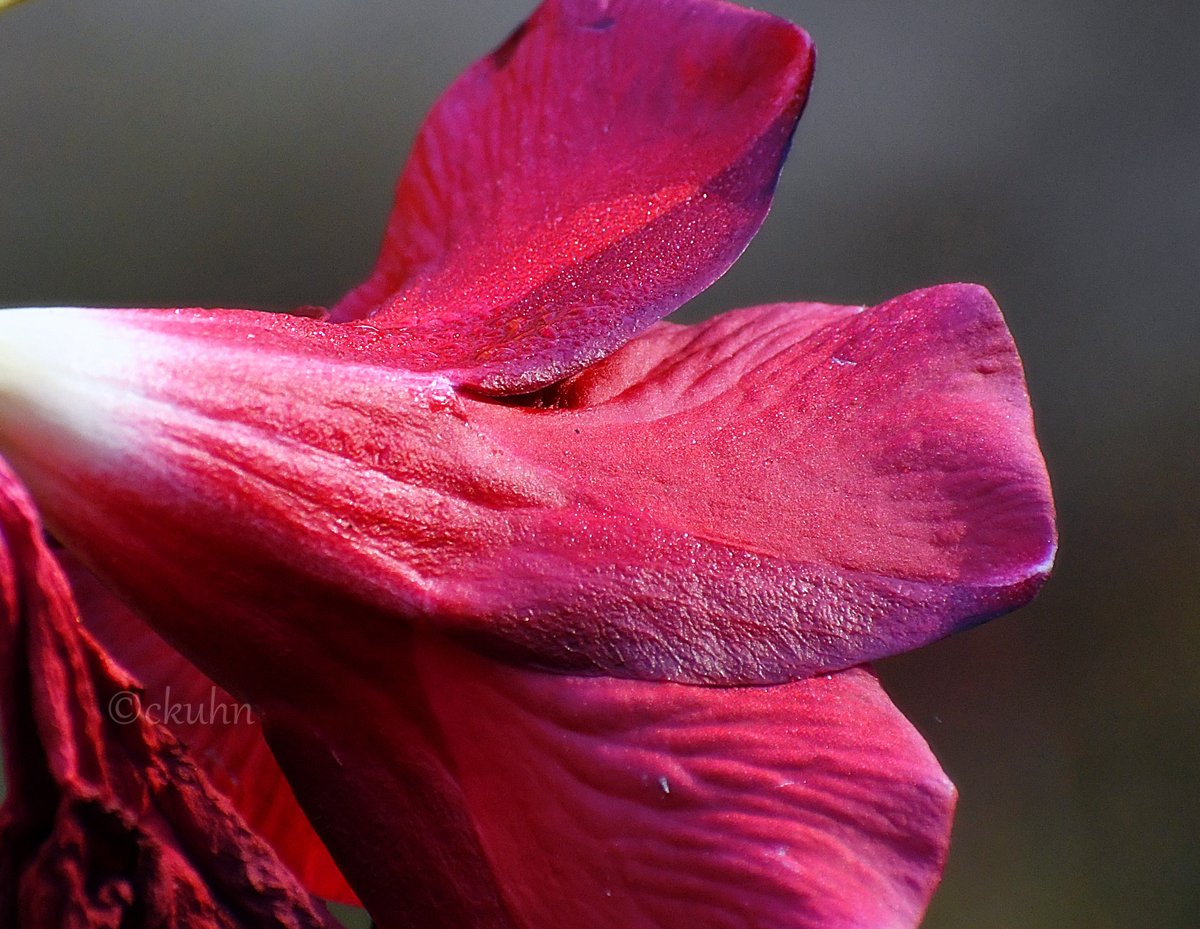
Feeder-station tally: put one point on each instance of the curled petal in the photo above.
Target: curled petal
(603, 166)
(107, 821)
(598, 802)
(782, 491)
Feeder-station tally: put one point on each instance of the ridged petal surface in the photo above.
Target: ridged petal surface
(222, 736)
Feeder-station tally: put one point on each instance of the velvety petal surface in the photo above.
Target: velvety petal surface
(222, 736)
(107, 822)
(603, 166)
(785, 489)
(782, 491)
(598, 802)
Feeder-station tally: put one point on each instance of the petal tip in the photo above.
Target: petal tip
(1038, 573)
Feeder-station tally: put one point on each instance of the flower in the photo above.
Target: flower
(554, 614)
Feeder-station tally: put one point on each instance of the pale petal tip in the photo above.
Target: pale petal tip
(56, 367)
(1042, 570)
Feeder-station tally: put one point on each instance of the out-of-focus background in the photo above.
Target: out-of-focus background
(233, 153)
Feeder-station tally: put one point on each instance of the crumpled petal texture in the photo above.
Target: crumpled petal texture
(599, 802)
(108, 825)
(222, 736)
(603, 166)
(785, 490)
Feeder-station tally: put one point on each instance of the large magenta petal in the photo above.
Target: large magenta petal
(222, 736)
(607, 163)
(778, 492)
(107, 822)
(597, 802)
(784, 489)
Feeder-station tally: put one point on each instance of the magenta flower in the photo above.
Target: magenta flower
(485, 546)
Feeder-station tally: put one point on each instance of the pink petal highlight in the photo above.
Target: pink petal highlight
(472, 541)
(603, 166)
(107, 821)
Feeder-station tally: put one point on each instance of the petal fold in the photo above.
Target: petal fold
(604, 165)
(107, 822)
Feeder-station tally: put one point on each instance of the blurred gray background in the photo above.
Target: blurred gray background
(243, 153)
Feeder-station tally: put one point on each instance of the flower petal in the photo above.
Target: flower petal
(782, 490)
(107, 822)
(604, 165)
(234, 473)
(597, 802)
(222, 736)
(775, 493)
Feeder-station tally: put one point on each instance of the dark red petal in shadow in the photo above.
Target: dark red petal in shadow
(604, 803)
(107, 823)
(223, 737)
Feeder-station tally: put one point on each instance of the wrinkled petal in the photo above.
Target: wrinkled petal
(603, 166)
(597, 802)
(780, 492)
(785, 489)
(107, 822)
(222, 736)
